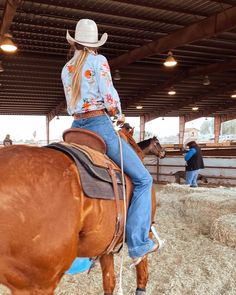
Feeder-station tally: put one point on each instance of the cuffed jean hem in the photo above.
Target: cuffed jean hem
(141, 250)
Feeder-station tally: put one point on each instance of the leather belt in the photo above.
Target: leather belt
(89, 114)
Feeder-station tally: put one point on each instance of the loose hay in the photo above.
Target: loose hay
(223, 230)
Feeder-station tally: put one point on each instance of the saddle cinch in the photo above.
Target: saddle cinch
(100, 177)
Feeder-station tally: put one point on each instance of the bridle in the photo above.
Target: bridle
(161, 152)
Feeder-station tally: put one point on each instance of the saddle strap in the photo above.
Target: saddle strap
(119, 218)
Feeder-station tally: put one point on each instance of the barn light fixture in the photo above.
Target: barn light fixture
(170, 61)
(206, 81)
(1, 67)
(7, 44)
(117, 76)
(171, 91)
(233, 95)
(139, 107)
(195, 108)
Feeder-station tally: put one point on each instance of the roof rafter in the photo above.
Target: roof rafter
(180, 76)
(205, 28)
(189, 101)
(8, 15)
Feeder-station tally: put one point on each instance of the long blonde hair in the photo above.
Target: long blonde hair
(77, 72)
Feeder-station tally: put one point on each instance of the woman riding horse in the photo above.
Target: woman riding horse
(46, 219)
(89, 92)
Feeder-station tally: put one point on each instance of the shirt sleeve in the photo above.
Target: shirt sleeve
(190, 154)
(106, 88)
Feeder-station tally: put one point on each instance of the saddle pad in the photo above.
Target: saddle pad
(95, 180)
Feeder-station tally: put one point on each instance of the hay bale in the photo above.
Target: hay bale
(202, 208)
(223, 230)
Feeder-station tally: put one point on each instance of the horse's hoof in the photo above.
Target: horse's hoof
(140, 291)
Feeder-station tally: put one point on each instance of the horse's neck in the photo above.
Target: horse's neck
(128, 137)
(146, 150)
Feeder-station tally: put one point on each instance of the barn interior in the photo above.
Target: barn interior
(200, 34)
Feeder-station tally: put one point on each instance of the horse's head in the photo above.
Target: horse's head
(156, 148)
(126, 127)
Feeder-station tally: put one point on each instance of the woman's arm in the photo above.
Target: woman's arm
(107, 90)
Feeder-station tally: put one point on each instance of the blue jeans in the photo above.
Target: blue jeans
(191, 177)
(139, 213)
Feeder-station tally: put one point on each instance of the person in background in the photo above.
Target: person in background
(194, 162)
(92, 100)
(7, 141)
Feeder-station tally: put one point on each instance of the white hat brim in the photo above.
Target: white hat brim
(72, 41)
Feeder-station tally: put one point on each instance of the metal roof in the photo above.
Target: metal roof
(201, 34)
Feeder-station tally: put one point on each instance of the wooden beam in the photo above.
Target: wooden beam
(163, 6)
(164, 111)
(180, 76)
(8, 15)
(206, 28)
(211, 111)
(55, 111)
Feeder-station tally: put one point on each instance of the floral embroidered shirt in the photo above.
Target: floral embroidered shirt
(97, 91)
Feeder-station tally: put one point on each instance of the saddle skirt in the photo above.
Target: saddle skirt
(94, 170)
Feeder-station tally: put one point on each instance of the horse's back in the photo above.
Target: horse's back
(39, 204)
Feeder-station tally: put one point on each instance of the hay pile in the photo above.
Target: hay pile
(202, 206)
(223, 229)
(189, 264)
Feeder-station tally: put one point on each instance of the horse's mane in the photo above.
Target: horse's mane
(145, 143)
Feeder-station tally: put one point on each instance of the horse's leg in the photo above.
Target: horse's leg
(142, 277)
(142, 267)
(108, 273)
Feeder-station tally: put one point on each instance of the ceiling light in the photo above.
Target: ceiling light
(195, 108)
(163, 118)
(172, 91)
(139, 107)
(206, 81)
(1, 67)
(58, 118)
(7, 44)
(117, 76)
(170, 61)
(233, 95)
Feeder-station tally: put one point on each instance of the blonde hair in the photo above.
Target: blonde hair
(77, 72)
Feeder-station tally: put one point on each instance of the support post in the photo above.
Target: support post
(217, 127)
(142, 128)
(181, 129)
(47, 129)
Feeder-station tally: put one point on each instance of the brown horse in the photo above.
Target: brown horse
(46, 221)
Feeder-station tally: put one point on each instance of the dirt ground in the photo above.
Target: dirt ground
(189, 264)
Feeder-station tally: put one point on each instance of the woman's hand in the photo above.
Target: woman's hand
(121, 120)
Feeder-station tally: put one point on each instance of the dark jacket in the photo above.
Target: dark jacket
(196, 161)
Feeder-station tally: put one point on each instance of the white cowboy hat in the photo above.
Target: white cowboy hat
(86, 34)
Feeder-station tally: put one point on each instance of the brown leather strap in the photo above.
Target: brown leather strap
(89, 114)
(119, 218)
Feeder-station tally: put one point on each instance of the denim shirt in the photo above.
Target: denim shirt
(97, 91)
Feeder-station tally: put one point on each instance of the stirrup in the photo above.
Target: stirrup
(161, 242)
(137, 260)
